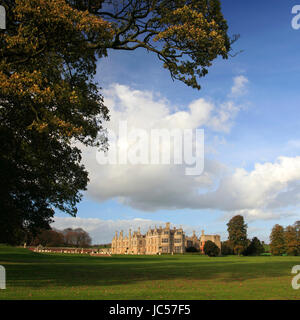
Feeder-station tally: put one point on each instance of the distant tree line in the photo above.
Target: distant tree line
(66, 238)
(285, 240)
(282, 240)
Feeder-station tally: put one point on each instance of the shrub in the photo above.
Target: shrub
(211, 249)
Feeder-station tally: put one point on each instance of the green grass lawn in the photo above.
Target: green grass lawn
(65, 276)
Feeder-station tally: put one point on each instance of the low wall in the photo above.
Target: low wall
(94, 252)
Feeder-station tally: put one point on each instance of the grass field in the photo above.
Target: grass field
(60, 276)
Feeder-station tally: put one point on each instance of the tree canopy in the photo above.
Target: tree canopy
(56, 238)
(211, 249)
(277, 240)
(292, 241)
(49, 99)
(255, 247)
(237, 234)
(185, 35)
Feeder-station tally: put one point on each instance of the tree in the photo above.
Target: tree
(211, 249)
(277, 241)
(291, 241)
(237, 234)
(255, 248)
(49, 238)
(226, 248)
(49, 100)
(185, 35)
(297, 228)
(76, 238)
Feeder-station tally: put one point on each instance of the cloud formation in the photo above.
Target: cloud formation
(144, 109)
(258, 194)
(152, 187)
(240, 86)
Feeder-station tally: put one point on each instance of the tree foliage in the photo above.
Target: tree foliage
(211, 249)
(48, 238)
(297, 228)
(277, 240)
(292, 241)
(255, 248)
(237, 234)
(191, 249)
(49, 99)
(56, 238)
(185, 35)
(285, 240)
(226, 248)
(76, 238)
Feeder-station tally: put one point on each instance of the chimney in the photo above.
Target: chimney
(202, 232)
(168, 225)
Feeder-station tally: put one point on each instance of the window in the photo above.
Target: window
(166, 232)
(164, 240)
(177, 240)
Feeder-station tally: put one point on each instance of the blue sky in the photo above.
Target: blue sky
(262, 127)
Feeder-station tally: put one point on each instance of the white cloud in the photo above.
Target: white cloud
(143, 109)
(153, 187)
(223, 119)
(239, 86)
(259, 193)
(258, 214)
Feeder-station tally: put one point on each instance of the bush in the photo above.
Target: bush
(211, 249)
(191, 249)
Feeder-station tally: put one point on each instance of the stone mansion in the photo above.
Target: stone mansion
(159, 240)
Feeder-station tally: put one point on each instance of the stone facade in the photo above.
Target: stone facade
(199, 243)
(159, 240)
(155, 241)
